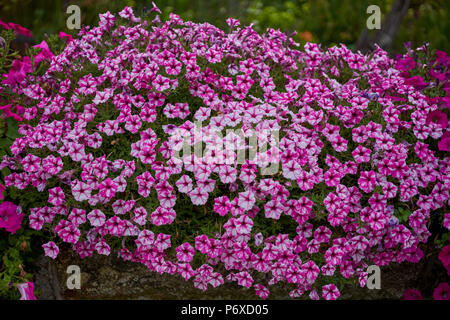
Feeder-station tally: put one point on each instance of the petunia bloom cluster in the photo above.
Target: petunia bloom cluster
(342, 144)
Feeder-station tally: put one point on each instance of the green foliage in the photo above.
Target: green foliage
(17, 254)
(8, 133)
(442, 240)
(402, 214)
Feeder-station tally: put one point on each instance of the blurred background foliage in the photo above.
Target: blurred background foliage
(326, 21)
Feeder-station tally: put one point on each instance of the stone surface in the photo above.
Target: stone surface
(107, 277)
(48, 279)
(111, 278)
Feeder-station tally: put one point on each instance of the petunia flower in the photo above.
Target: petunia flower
(51, 249)
(64, 36)
(44, 53)
(330, 292)
(444, 257)
(26, 291)
(10, 217)
(2, 188)
(18, 71)
(185, 252)
(442, 291)
(412, 294)
(444, 143)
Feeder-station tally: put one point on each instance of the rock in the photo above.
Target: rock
(48, 279)
(84, 279)
(107, 277)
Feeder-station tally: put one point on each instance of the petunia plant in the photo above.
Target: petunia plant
(227, 155)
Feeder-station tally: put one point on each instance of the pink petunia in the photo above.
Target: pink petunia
(244, 279)
(51, 249)
(108, 188)
(330, 292)
(198, 196)
(261, 291)
(185, 252)
(222, 205)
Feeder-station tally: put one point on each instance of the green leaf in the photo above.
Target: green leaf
(5, 143)
(12, 128)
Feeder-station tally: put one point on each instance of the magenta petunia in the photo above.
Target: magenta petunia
(2, 188)
(405, 64)
(251, 152)
(444, 142)
(44, 52)
(444, 257)
(66, 37)
(442, 291)
(10, 217)
(412, 294)
(417, 82)
(439, 118)
(18, 71)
